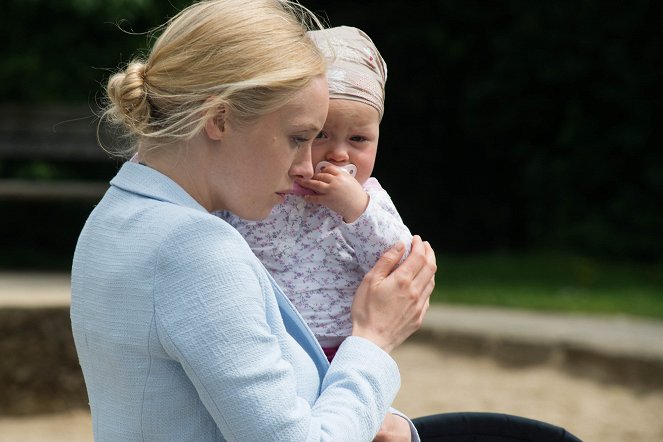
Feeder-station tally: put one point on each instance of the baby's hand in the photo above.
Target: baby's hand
(339, 191)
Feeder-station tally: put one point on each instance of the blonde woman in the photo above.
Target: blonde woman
(181, 333)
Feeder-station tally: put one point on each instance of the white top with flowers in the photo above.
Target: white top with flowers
(318, 259)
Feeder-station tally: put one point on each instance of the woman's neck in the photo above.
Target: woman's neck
(186, 163)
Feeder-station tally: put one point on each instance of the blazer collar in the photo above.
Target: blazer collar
(148, 182)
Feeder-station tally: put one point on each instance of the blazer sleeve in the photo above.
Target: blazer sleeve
(213, 317)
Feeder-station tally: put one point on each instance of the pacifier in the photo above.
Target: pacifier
(348, 168)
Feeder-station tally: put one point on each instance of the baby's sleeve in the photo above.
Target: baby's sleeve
(377, 229)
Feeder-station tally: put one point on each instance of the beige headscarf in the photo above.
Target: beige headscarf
(355, 70)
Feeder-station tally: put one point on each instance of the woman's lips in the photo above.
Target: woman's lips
(296, 189)
(299, 190)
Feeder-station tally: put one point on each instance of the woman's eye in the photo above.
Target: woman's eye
(298, 141)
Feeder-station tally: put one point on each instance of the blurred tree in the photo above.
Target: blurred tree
(60, 51)
(508, 125)
(519, 124)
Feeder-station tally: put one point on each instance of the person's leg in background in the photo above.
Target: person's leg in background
(488, 427)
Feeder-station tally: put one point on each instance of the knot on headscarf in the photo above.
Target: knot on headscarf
(355, 68)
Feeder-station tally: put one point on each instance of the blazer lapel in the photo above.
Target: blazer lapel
(298, 329)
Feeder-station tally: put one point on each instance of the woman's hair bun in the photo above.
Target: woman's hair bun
(128, 97)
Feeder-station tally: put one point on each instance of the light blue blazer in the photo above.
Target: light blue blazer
(182, 334)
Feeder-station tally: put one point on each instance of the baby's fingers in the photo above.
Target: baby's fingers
(314, 185)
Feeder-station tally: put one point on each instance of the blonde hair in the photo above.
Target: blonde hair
(249, 56)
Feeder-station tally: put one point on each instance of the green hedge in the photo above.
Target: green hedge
(508, 125)
(523, 124)
(60, 51)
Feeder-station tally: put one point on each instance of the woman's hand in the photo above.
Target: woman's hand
(394, 429)
(389, 304)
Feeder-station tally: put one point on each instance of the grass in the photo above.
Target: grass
(537, 281)
(551, 281)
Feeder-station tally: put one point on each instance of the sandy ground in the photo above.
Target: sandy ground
(434, 381)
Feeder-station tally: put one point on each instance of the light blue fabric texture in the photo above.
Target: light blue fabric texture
(182, 334)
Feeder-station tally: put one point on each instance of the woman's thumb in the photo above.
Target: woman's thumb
(388, 260)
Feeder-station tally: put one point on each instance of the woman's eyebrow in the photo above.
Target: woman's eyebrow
(307, 128)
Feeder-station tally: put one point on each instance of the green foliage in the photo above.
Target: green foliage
(40, 235)
(551, 281)
(516, 124)
(508, 125)
(60, 51)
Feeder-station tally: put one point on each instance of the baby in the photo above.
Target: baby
(330, 230)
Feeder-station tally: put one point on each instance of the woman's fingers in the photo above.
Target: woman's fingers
(422, 283)
(420, 265)
(388, 261)
(427, 271)
(390, 304)
(415, 260)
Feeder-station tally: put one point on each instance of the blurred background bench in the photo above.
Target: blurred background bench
(35, 144)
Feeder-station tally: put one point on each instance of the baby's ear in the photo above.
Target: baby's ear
(215, 124)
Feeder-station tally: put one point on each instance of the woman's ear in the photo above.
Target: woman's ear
(215, 125)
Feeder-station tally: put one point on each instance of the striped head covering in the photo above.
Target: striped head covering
(355, 68)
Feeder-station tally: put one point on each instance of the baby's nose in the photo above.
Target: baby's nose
(337, 154)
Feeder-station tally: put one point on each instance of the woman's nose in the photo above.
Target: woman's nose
(302, 166)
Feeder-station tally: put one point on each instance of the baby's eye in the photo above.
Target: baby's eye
(357, 138)
(321, 135)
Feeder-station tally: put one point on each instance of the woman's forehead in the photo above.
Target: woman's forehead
(308, 108)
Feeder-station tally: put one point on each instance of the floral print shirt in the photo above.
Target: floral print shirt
(318, 259)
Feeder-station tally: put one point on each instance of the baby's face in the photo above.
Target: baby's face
(349, 136)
